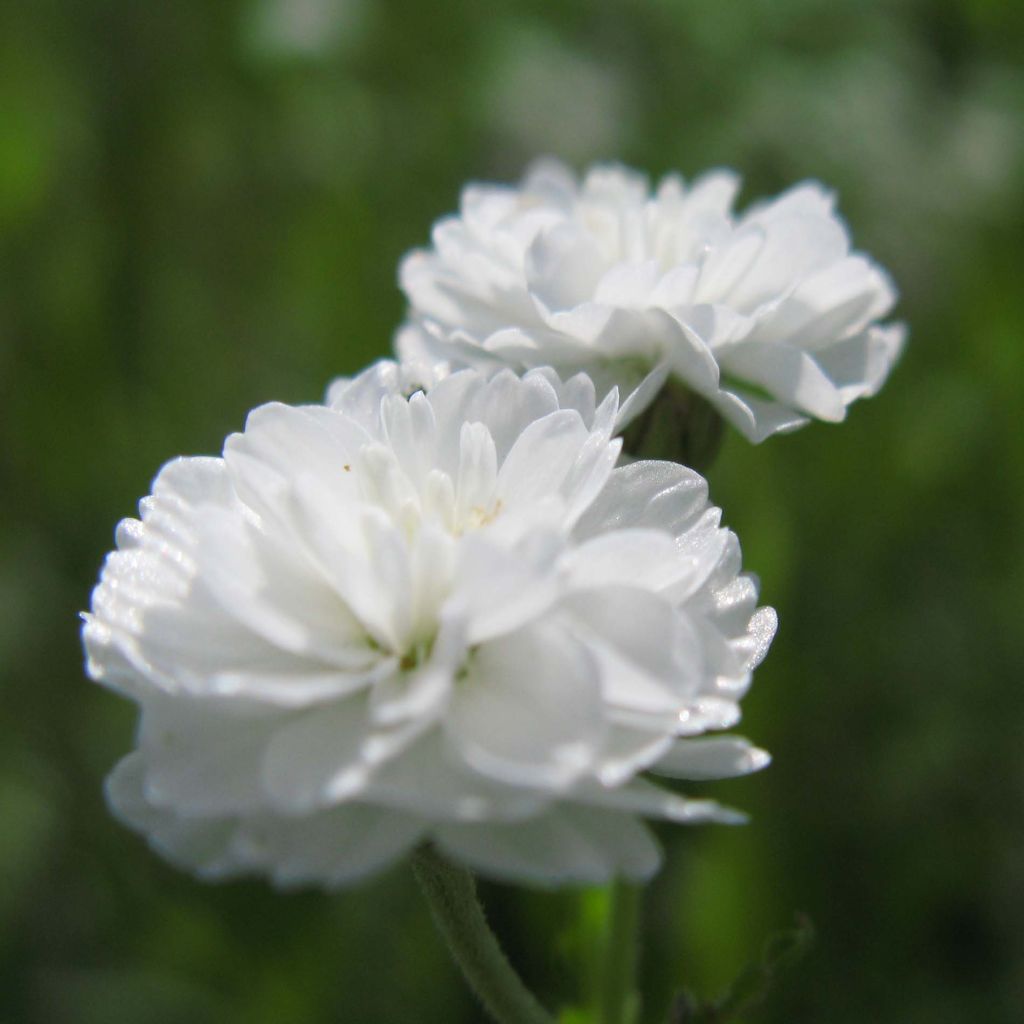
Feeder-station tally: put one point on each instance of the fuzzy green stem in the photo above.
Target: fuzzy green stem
(618, 982)
(450, 891)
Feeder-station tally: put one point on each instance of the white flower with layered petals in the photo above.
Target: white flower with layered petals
(443, 616)
(767, 314)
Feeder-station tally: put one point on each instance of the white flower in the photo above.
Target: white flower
(441, 617)
(767, 314)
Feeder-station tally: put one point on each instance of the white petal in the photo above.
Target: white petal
(614, 184)
(808, 199)
(644, 558)
(478, 473)
(279, 598)
(563, 266)
(642, 395)
(648, 494)
(331, 848)
(550, 179)
(789, 374)
(829, 305)
(692, 360)
(410, 430)
(726, 265)
(319, 758)
(421, 357)
(112, 660)
(187, 483)
(703, 550)
(756, 417)
(529, 710)
(505, 404)
(575, 393)
(327, 439)
(760, 633)
(570, 844)
(363, 554)
(648, 558)
(336, 847)
(794, 246)
(719, 757)
(430, 781)
(629, 750)
(498, 589)
(628, 284)
(202, 758)
(860, 365)
(643, 797)
(360, 397)
(716, 191)
(541, 458)
(553, 342)
(432, 567)
(571, 333)
(708, 714)
(651, 657)
(589, 474)
(199, 844)
(291, 688)
(418, 695)
(676, 288)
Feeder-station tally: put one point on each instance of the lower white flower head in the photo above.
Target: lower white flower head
(445, 617)
(767, 314)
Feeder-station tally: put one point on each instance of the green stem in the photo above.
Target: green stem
(618, 982)
(451, 892)
(679, 425)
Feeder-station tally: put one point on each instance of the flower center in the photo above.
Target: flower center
(479, 516)
(418, 654)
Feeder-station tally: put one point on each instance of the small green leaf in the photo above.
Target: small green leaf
(752, 986)
(781, 951)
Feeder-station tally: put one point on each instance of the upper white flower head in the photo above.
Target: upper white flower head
(443, 616)
(767, 314)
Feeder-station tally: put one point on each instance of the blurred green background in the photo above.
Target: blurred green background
(202, 206)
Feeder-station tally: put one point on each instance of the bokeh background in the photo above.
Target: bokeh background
(202, 206)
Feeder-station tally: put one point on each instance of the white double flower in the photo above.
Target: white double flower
(767, 314)
(439, 615)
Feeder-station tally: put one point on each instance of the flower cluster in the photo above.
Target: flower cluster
(439, 607)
